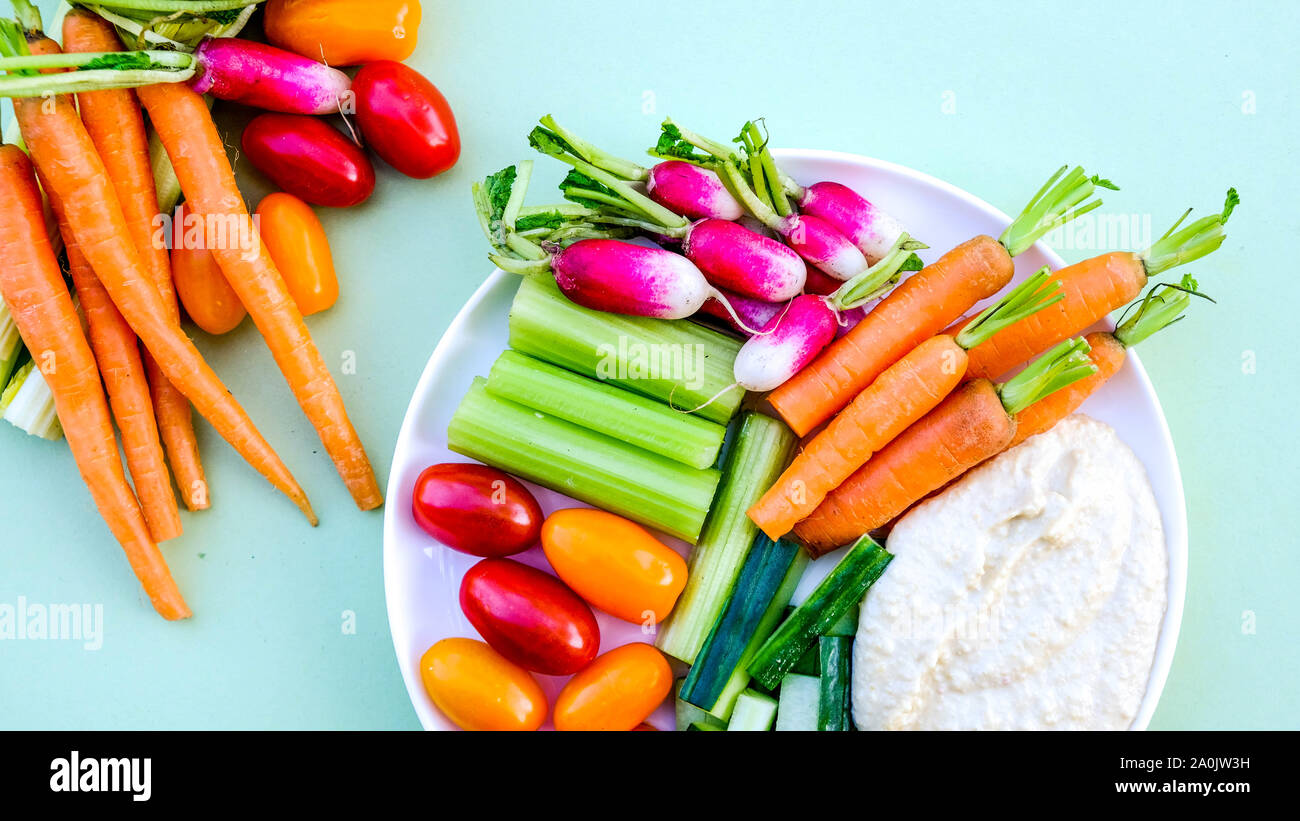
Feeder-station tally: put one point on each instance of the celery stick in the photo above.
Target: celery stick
(11, 345)
(673, 361)
(581, 463)
(601, 407)
(29, 404)
(761, 450)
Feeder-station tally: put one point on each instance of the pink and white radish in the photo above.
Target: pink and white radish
(226, 67)
(789, 341)
(729, 255)
(693, 192)
(754, 313)
(871, 229)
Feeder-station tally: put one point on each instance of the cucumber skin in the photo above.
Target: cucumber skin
(843, 588)
(760, 450)
(836, 667)
(766, 582)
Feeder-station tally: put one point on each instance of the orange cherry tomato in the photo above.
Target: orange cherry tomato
(203, 290)
(478, 689)
(297, 243)
(615, 564)
(617, 691)
(344, 32)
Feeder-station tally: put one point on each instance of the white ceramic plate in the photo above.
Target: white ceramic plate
(422, 578)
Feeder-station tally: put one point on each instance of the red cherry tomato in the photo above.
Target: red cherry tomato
(310, 159)
(405, 119)
(529, 617)
(476, 509)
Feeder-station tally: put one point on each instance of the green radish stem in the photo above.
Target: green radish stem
(583, 150)
(1034, 294)
(1060, 367)
(881, 277)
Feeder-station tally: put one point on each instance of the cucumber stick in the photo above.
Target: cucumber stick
(688, 714)
(798, 705)
(604, 408)
(673, 361)
(841, 590)
(833, 701)
(760, 450)
(754, 711)
(755, 607)
(586, 465)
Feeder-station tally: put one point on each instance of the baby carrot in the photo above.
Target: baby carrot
(116, 126)
(975, 422)
(926, 304)
(1094, 288)
(32, 286)
(63, 151)
(185, 126)
(1162, 306)
(906, 391)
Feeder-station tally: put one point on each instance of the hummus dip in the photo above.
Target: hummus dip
(1029, 595)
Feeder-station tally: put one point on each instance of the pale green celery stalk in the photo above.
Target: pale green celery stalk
(598, 406)
(589, 466)
(29, 404)
(628, 351)
(11, 344)
(761, 450)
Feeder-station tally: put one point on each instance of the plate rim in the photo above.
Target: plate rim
(1176, 533)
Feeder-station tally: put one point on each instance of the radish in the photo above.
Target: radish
(226, 67)
(686, 189)
(837, 230)
(753, 312)
(872, 230)
(729, 255)
(591, 268)
(788, 342)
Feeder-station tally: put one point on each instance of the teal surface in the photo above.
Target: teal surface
(1174, 101)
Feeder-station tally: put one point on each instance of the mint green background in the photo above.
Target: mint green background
(1150, 94)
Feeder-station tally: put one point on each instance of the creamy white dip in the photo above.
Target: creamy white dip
(1028, 595)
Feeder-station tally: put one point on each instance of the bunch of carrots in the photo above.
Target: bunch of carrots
(89, 160)
(893, 414)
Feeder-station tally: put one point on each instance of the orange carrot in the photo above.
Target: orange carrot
(906, 391)
(1163, 306)
(64, 153)
(975, 422)
(117, 353)
(916, 310)
(1095, 287)
(187, 132)
(116, 126)
(927, 303)
(33, 287)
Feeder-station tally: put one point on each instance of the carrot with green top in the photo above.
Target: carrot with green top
(1095, 287)
(1163, 305)
(974, 422)
(185, 127)
(68, 161)
(33, 288)
(116, 126)
(927, 303)
(906, 391)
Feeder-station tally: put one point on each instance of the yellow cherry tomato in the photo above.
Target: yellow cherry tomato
(615, 564)
(201, 286)
(344, 32)
(296, 241)
(617, 691)
(478, 689)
